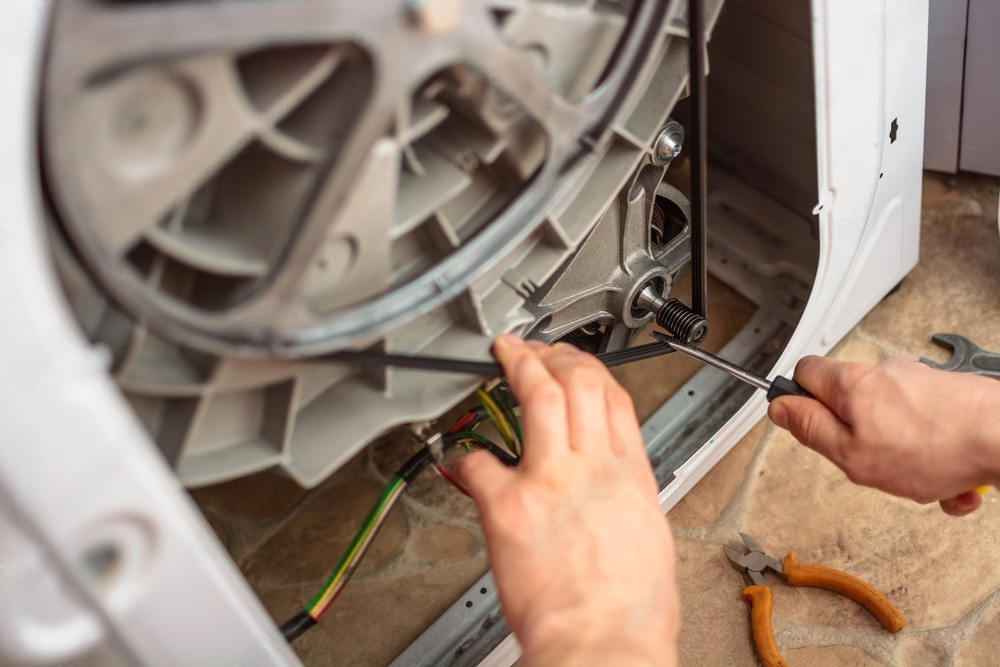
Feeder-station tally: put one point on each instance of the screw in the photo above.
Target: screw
(668, 143)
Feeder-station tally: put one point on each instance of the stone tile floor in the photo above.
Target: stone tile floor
(941, 572)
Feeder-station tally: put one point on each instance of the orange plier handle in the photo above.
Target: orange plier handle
(801, 574)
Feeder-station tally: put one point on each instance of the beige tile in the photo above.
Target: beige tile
(918, 652)
(953, 289)
(935, 568)
(704, 503)
(374, 620)
(441, 543)
(258, 497)
(829, 656)
(306, 548)
(715, 625)
(983, 645)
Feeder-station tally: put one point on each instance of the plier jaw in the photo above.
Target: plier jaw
(754, 562)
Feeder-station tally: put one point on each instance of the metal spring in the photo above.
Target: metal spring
(657, 226)
(682, 322)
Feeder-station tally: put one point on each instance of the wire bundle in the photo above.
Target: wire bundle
(499, 409)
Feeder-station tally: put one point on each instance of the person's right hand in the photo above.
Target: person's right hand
(900, 426)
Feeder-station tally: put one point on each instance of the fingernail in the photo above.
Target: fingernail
(778, 414)
(967, 500)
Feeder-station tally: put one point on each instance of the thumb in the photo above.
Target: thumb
(482, 474)
(813, 424)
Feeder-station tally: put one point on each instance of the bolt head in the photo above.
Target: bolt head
(668, 143)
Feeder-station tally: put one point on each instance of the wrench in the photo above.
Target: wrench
(966, 357)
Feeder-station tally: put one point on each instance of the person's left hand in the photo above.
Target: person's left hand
(581, 551)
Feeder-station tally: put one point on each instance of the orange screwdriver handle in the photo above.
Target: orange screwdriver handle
(761, 601)
(801, 574)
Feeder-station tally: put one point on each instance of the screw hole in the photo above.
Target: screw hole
(690, 392)
(469, 603)
(724, 261)
(102, 561)
(482, 591)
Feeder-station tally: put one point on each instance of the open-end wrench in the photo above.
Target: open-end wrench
(966, 356)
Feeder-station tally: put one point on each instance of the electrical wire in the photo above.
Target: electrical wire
(441, 470)
(356, 550)
(498, 419)
(505, 399)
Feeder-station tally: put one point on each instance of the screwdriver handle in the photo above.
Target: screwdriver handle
(782, 386)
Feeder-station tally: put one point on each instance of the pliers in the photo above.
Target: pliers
(758, 594)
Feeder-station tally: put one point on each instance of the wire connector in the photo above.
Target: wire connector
(435, 445)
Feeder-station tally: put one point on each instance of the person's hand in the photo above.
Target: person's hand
(900, 426)
(580, 549)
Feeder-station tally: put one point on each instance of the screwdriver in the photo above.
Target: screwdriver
(780, 386)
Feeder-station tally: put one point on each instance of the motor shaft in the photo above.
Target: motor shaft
(674, 316)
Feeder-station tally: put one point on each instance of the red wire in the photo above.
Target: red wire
(448, 476)
(469, 416)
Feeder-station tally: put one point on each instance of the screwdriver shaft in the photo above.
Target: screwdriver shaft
(712, 360)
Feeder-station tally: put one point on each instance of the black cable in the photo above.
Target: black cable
(293, 628)
(474, 367)
(699, 157)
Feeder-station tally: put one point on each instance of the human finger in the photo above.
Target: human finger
(483, 475)
(585, 382)
(814, 425)
(962, 504)
(543, 404)
(626, 436)
(829, 380)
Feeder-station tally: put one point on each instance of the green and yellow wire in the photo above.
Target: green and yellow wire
(349, 562)
(508, 427)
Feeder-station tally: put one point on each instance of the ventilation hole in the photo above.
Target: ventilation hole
(893, 131)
